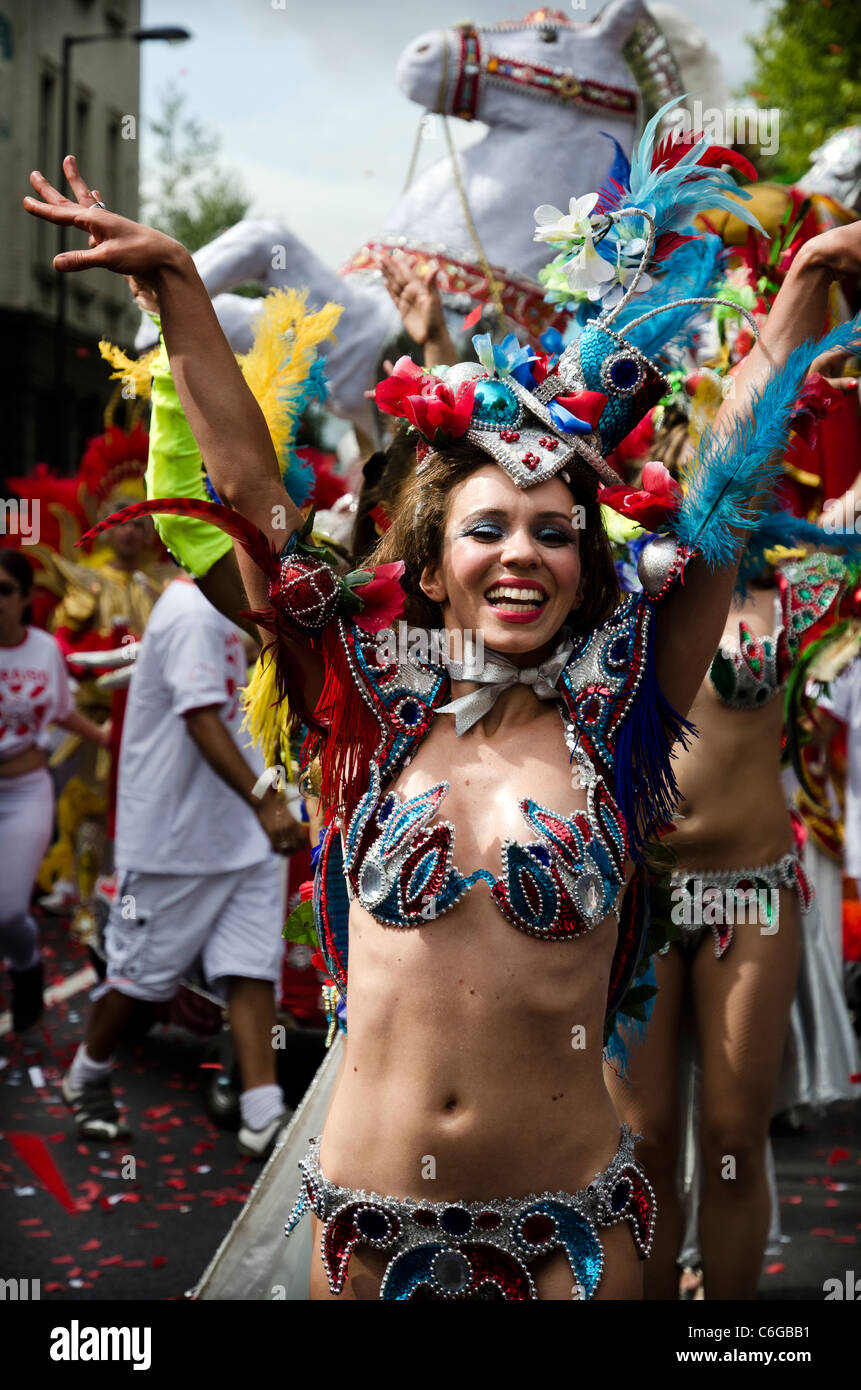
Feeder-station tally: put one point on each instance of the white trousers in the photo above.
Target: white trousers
(26, 825)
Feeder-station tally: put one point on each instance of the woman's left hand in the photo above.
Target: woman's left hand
(115, 243)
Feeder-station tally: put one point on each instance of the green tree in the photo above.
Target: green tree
(188, 196)
(808, 64)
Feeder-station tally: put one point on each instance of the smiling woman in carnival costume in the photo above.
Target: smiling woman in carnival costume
(471, 1148)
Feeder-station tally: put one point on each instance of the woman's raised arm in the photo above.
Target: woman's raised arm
(224, 416)
(691, 623)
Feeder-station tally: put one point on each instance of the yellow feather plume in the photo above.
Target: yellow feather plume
(137, 369)
(266, 720)
(277, 366)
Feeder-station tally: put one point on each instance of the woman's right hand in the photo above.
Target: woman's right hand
(115, 243)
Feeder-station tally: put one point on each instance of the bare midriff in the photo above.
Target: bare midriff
(734, 812)
(472, 1067)
(27, 760)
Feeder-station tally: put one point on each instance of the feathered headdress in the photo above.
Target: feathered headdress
(535, 412)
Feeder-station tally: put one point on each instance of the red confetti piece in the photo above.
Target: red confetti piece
(845, 1240)
(178, 1183)
(855, 1077)
(157, 1112)
(31, 1149)
(472, 318)
(91, 1190)
(134, 1264)
(211, 1066)
(775, 1268)
(111, 1260)
(38, 1235)
(158, 1261)
(167, 1158)
(30, 1221)
(792, 1201)
(838, 1155)
(92, 1245)
(822, 1231)
(54, 1288)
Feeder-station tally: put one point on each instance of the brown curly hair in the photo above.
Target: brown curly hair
(418, 527)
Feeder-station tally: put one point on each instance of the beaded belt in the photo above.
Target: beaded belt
(716, 898)
(462, 1250)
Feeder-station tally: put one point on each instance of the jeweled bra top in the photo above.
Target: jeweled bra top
(748, 676)
(397, 860)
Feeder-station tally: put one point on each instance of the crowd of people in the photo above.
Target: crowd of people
(537, 893)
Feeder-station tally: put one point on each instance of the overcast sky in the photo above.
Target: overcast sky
(304, 96)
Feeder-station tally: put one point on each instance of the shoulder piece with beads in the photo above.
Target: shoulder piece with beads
(402, 687)
(622, 722)
(808, 588)
(602, 676)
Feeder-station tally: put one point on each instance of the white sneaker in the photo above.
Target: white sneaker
(259, 1143)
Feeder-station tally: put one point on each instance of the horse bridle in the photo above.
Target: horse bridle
(475, 68)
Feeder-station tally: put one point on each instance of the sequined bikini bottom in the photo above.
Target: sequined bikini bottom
(716, 900)
(466, 1250)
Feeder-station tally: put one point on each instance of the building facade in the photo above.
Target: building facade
(54, 386)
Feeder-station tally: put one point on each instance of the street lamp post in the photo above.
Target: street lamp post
(169, 35)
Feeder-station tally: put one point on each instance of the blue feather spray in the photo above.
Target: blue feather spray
(733, 467)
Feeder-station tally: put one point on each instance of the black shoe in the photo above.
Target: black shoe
(27, 1002)
(96, 1113)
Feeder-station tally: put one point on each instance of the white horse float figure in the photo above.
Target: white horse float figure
(544, 86)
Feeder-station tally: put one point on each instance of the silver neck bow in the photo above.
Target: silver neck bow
(496, 674)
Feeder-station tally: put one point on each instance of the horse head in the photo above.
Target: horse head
(494, 72)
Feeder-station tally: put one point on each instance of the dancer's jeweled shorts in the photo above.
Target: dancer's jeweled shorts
(464, 1250)
(724, 892)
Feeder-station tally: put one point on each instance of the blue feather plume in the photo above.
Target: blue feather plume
(733, 467)
(678, 193)
(695, 271)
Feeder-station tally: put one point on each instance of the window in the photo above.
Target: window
(112, 190)
(46, 137)
(81, 129)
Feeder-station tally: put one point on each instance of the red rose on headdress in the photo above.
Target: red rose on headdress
(382, 597)
(653, 505)
(426, 402)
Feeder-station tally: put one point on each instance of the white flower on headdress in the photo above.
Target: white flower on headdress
(553, 225)
(588, 269)
(612, 291)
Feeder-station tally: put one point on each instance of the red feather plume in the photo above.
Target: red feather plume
(673, 146)
(250, 537)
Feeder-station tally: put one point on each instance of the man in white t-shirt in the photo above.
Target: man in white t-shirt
(196, 874)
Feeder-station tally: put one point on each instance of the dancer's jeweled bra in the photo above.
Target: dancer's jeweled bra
(751, 674)
(398, 861)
